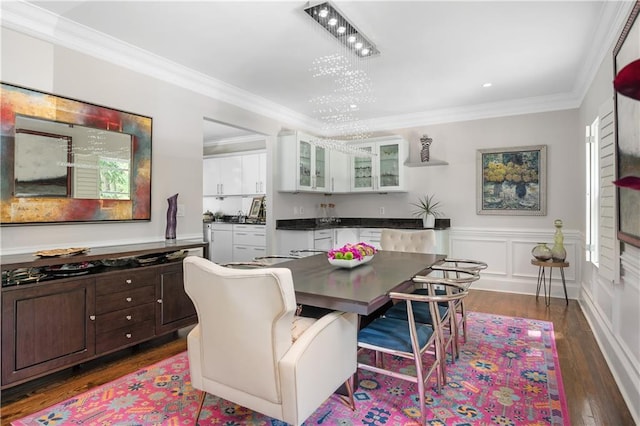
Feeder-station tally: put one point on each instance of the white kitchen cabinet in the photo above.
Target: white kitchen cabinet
(302, 165)
(221, 242)
(222, 176)
(339, 172)
(382, 172)
(249, 242)
(254, 173)
(291, 240)
(342, 236)
(323, 239)
(371, 236)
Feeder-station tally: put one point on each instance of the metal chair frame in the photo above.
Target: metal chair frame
(459, 266)
(433, 346)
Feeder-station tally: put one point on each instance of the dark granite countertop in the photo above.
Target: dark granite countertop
(360, 222)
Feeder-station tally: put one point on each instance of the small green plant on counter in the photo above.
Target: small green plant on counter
(426, 205)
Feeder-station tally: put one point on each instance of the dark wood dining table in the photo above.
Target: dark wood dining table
(362, 289)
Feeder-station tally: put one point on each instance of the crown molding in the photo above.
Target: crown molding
(40, 23)
(612, 17)
(475, 112)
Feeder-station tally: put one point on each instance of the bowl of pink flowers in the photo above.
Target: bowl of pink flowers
(351, 255)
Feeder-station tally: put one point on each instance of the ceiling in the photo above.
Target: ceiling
(435, 55)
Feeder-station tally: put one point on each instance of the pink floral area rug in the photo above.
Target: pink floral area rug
(507, 374)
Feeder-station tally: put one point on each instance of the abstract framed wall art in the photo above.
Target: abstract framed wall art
(512, 181)
(627, 118)
(64, 160)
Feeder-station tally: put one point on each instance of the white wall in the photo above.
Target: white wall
(176, 147)
(613, 309)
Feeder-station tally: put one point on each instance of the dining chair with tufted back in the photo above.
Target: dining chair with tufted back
(423, 241)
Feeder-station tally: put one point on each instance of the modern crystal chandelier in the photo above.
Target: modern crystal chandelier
(343, 80)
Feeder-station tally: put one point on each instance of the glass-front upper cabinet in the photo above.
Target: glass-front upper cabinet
(384, 170)
(362, 170)
(303, 166)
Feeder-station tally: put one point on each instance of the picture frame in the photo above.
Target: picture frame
(100, 135)
(256, 207)
(627, 125)
(512, 181)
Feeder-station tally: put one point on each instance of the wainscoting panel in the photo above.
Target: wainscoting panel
(613, 314)
(508, 254)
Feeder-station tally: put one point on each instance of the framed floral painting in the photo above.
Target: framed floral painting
(512, 181)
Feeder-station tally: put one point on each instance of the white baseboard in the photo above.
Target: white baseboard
(626, 376)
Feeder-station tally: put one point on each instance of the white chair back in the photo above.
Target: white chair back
(423, 241)
(242, 340)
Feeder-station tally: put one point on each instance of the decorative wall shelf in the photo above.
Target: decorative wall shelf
(426, 163)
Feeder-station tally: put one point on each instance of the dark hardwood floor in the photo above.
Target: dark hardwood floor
(592, 395)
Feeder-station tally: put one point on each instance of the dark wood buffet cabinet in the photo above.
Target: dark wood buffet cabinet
(98, 307)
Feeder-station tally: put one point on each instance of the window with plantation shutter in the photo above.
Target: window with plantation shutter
(608, 245)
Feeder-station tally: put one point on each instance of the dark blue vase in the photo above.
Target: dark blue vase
(172, 210)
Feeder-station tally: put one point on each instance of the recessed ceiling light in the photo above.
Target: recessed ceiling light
(341, 29)
(487, 85)
(358, 45)
(324, 13)
(332, 21)
(351, 39)
(365, 51)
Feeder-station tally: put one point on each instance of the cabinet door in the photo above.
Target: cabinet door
(222, 245)
(390, 166)
(254, 173)
(46, 328)
(362, 170)
(320, 169)
(210, 177)
(371, 236)
(174, 307)
(340, 172)
(343, 236)
(305, 164)
(230, 175)
(313, 164)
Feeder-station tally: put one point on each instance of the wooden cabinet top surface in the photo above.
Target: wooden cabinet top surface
(30, 260)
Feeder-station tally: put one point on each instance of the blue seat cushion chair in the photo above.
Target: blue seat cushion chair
(392, 333)
(421, 311)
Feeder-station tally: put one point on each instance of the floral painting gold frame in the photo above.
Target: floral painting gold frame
(627, 119)
(512, 181)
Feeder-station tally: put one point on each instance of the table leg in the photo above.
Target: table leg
(540, 279)
(548, 294)
(564, 285)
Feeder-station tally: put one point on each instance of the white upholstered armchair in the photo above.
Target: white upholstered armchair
(245, 349)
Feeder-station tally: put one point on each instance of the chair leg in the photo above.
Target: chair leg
(203, 395)
(348, 400)
(463, 312)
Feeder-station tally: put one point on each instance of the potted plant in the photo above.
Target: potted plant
(428, 209)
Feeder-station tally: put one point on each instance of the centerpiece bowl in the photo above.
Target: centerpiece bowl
(351, 255)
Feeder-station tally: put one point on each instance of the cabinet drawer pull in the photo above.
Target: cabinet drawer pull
(159, 300)
(128, 335)
(128, 299)
(92, 317)
(129, 317)
(128, 281)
